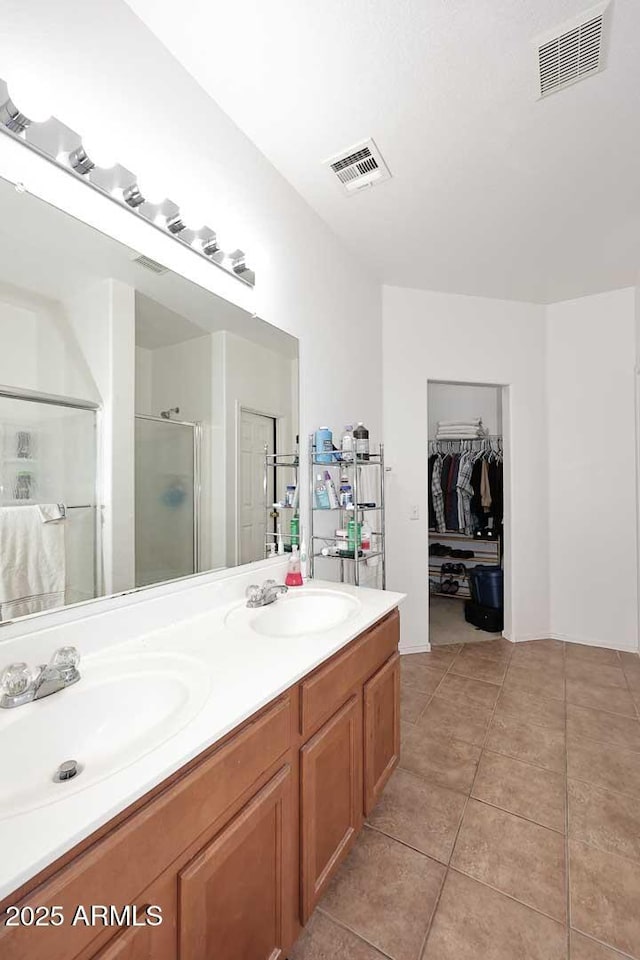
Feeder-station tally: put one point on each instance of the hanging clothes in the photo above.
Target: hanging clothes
(436, 498)
(466, 487)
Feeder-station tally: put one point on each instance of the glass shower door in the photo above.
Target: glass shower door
(165, 499)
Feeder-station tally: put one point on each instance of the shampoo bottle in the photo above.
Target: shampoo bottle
(321, 494)
(334, 503)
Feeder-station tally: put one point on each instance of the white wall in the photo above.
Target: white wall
(99, 56)
(592, 469)
(461, 401)
(433, 336)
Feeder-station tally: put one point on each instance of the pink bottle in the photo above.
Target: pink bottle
(294, 575)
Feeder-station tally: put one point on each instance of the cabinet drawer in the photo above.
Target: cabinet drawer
(126, 861)
(329, 687)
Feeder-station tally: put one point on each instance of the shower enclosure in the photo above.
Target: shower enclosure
(167, 498)
(48, 455)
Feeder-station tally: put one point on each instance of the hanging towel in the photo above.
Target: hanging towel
(32, 562)
(368, 485)
(485, 488)
(50, 512)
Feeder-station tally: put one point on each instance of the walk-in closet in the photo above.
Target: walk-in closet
(466, 512)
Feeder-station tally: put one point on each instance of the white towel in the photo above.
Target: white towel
(50, 512)
(461, 434)
(32, 562)
(460, 423)
(369, 485)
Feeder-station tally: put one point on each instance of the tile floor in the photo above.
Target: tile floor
(511, 829)
(448, 625)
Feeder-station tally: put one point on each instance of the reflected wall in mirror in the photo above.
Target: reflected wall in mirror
(135, 408)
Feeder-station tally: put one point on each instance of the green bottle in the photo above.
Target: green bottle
(294, 530)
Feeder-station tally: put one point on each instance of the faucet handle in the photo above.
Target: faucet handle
(253, 592)
(65, 660)
(268, 584)
(15, 679)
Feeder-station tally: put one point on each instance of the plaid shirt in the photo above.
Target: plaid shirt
(436, 495)
(465, 492)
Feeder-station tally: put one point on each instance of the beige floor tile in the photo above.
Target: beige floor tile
(323, 939)
(604, 893)
(545, 683)
(415, 672)
(480, 668)
(462, 719)
(517, 857)
(387, 893)
(601, 655)
(450, 763)
(605, 765)
(524, 741)
(412, 702)
(604, 819)
(441, 658)
(605, 727)
(582, 948)
(597, 673)
(474, 922)
(495, 649)
(532, 709)
(455, 688)
(522, 789)
(419, 813)
(612, 699)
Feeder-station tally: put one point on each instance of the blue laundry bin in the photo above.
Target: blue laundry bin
(487, 585)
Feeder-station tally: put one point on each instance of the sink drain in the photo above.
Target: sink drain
(67, 771)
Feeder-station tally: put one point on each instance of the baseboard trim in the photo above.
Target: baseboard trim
(592, 642)
(417, 648)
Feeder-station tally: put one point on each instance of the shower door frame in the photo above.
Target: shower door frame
(74, 403)
(196, 426)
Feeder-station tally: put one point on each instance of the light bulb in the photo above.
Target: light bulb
(30, 96)
(99, 150)
(151, 189)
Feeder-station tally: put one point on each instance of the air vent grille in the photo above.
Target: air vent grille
(359, 167)
(575, 52)
(148, 264)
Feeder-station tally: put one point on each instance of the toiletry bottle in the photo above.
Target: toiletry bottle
(334, 503)
(346, 492)
(280, 541)
(294, 530)
(361, 438)
(294, 575)
(304, 560)
(366, 536)
(347, 443)
(354, 534)
(324, 445)
(321, 494)
(290, 494)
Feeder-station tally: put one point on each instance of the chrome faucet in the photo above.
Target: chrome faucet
(267, 593)
(19, 684)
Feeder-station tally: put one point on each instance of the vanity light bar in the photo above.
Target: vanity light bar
(63, 146)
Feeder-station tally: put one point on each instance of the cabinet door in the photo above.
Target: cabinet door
(234, 894)
(331, 799)
(153, 941)
(381, 730)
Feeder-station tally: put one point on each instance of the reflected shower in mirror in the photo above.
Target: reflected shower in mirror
(135, 408)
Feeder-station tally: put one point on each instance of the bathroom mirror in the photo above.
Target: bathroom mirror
(135, 409)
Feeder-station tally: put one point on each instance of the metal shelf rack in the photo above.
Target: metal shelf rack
(342, 515)
(272, 462)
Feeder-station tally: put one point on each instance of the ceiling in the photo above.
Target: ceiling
(494, 193)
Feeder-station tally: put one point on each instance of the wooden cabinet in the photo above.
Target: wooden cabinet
(233, 894)
(331, 799)
(153, 941)
(381, 730)
(239, 845)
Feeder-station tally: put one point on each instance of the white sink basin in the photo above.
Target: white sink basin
(119, 710)
(297, 614)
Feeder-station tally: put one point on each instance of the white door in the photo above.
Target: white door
(256, 432)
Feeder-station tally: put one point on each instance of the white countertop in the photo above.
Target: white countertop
(244, 672)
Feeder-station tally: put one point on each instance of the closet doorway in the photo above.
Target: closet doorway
(466, 537)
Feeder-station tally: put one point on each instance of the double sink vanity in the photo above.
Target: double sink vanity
(225, 765)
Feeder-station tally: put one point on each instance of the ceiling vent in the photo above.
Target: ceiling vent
(148, 264)
(359, 167)
(571, 52)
